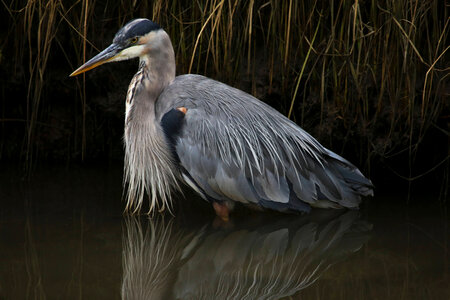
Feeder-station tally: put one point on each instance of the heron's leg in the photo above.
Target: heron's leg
(222, 210)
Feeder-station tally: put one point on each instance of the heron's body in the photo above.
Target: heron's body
(224, 143)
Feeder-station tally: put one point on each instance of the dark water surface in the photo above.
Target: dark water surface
(63, 236)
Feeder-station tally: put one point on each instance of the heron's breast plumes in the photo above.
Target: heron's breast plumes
(148, 168)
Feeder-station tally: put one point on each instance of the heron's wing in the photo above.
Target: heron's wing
(233, 146)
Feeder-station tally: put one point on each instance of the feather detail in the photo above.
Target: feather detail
(149, 166)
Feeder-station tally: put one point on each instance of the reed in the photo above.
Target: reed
(370, 78)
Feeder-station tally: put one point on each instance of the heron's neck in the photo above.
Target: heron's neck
(148, 163)
(156, 72)
(159, 65)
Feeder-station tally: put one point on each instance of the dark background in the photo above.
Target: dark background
(368, 79)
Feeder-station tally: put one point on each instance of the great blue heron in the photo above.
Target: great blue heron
(225, 144)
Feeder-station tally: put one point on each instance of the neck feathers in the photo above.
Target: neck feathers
(149, 167)
(148, 162)
(156, 72)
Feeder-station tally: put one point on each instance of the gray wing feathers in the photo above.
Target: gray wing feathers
(236, 147)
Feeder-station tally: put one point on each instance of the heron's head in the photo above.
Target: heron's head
(131, 41)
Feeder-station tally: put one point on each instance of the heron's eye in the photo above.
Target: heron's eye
(134, 40)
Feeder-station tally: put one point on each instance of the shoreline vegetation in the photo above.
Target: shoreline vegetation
(368, 79)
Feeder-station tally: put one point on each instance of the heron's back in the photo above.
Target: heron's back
(235, 147)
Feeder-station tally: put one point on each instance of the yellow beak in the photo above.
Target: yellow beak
(103, 57)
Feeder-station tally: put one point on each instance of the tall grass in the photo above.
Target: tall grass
(370, 77)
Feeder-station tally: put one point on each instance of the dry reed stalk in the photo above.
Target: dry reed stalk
(39, 52)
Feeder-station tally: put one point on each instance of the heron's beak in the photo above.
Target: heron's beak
(103, 57)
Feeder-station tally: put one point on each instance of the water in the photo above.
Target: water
(63, 236)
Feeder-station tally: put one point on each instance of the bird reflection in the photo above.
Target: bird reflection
(263, 257)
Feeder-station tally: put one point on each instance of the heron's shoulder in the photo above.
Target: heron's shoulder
(190, 78)
(194, 79)
(204, 87)
(197, 91)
